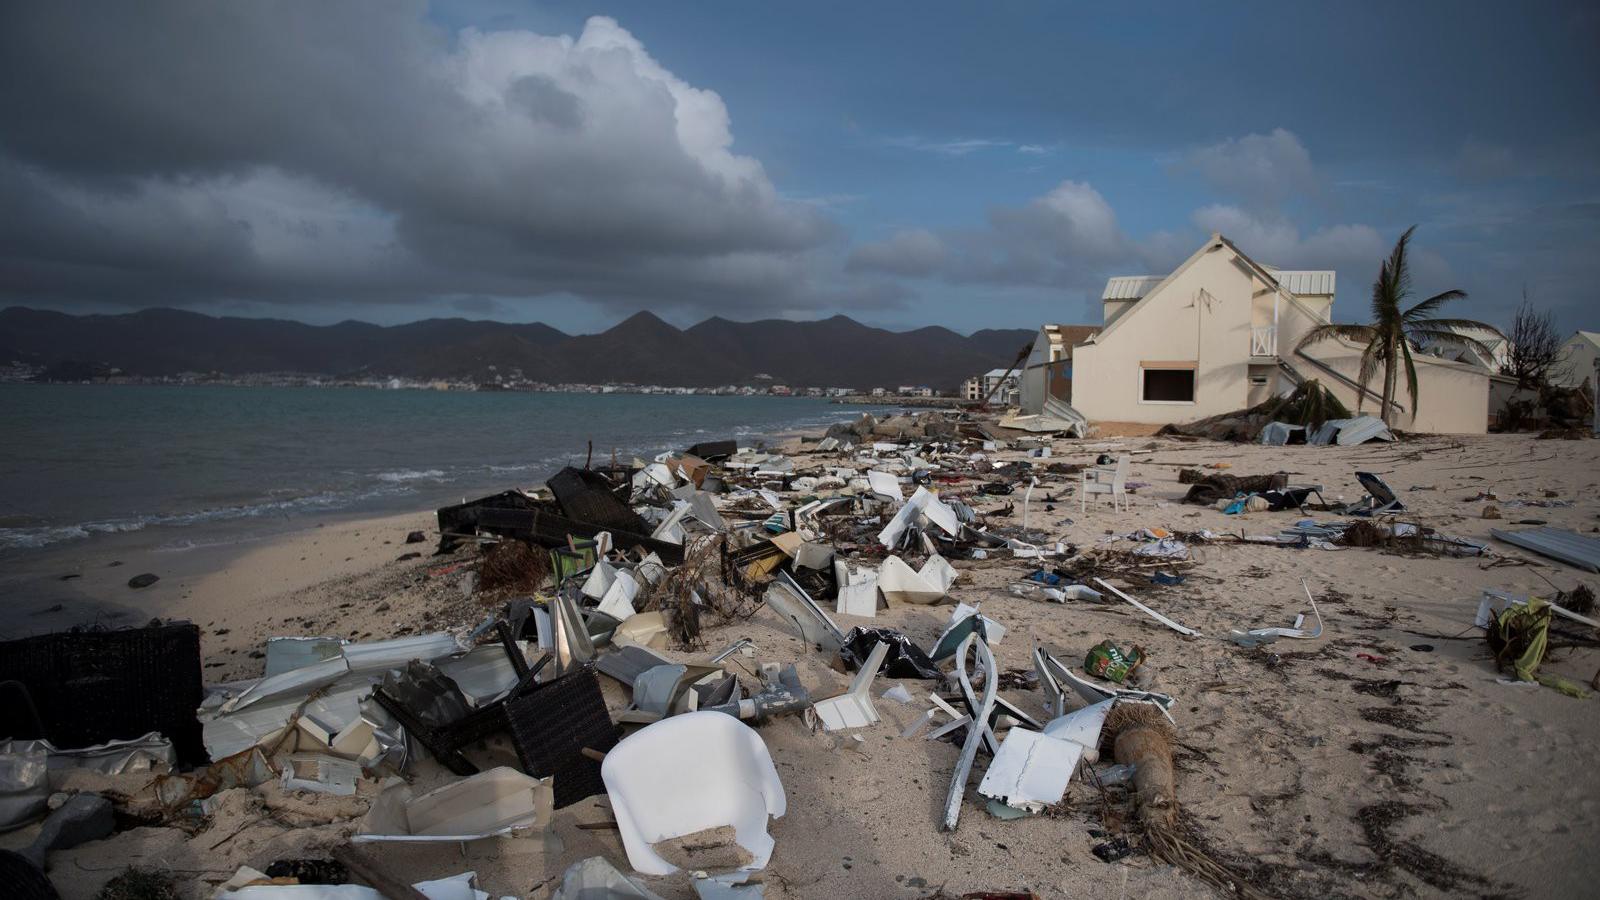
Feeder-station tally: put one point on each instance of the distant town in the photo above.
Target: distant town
(975, 388)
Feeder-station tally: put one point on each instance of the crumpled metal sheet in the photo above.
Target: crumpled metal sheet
(24, 786)
(150, 753)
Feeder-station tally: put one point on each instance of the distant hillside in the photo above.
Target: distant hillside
(836, 352)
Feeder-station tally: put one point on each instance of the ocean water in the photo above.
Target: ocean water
(81, 460)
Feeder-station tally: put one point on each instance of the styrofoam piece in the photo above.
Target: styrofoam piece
(646, 629)
(722, 775)
(853, 708)
(900, 584)
(618, 600)
(993, 631)
(1082, 726)
(1031, 770)
(925, 503)
(321, 774)
(596, 878)
(886, 485)
(813, 555)
(858, 589)
(599, 580)
(498, 801)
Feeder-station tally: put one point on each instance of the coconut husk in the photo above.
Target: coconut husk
(1143, 738)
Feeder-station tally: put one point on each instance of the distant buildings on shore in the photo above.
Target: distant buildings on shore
(18, 372)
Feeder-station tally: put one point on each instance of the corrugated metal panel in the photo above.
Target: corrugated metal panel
(1347, 432)
(1557, 543)
(1306, 282)
(1130, 287)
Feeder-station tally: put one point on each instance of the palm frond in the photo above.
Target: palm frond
(1399, 268)
(1411, 379)
(1360, 334)
(1462, 324)
(1450, 339)
(1370, 358)
(1429, 306)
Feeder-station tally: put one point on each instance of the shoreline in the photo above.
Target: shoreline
(83, 581)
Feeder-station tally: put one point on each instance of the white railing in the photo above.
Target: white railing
(1264, 341)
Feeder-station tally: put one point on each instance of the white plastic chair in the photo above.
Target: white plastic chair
(688, 773)
(1113, 481)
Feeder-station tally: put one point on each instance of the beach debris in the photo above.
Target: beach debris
(596, 878)
(1112, 482)
(1148, 611)
(24, 786)
(1032, 768)
(1142, 737)
(554, 724)
(500, 801)
(81, 818)
(853, 708)
(321, 774)
(144, 580)
(1106, 660)
(1257, 636)
(1556, 543)
(929, 584)
(792, 604)
(1055, 677)
(924, 504)
(722, 789)
(905, 659)
(144, 680)
(857, 589)
(979, 707)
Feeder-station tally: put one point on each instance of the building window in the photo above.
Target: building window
(1167, 386)
(1258, 380)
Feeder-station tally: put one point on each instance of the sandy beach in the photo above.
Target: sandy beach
(1386, 758)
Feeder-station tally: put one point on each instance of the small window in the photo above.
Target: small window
(1168, 386)
(1258, 380)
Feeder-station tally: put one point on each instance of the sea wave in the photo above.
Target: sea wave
(405, 475)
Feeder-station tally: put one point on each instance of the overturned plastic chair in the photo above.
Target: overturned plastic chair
(687, 774)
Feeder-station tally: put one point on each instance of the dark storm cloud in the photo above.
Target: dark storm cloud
(168, 151)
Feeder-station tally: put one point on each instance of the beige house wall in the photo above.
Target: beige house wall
(1576, 362)
(1453, 398)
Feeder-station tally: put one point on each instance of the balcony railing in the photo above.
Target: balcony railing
(1264, 341)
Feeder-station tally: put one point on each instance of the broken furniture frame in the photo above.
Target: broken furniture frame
(445, 742)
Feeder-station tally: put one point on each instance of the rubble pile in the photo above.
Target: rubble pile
(492, 727)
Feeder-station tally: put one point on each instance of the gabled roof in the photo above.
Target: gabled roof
(1068, 336)
(1305, 283)
(1130, 287)
(1592, 337)
(1215, 242)
(1302, 282)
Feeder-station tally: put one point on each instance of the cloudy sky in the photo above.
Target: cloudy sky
(970, 165)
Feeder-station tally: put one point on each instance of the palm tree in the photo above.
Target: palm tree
(1388, 339)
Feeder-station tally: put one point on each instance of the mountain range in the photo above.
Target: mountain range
(642, 349)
